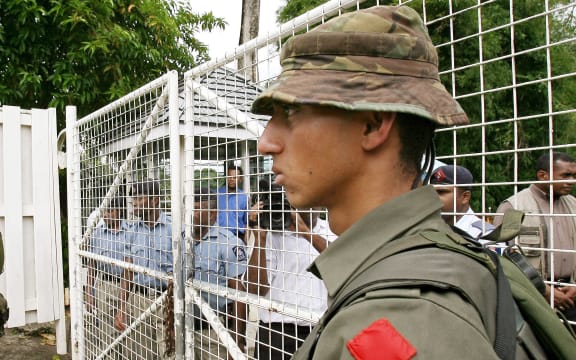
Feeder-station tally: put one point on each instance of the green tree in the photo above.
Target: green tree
(511, 56)
(293, 8)
(501, 69)
(88, 53)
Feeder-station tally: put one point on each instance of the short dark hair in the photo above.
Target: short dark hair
(148, 187)
(204, 194)
(117, 203)
(543, 162)
(234, 167)
(416, 134)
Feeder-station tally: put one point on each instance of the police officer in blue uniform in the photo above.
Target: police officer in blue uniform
(150, 241)
(220, 259)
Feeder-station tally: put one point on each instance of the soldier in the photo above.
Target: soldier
(4, 311)
(353, 112)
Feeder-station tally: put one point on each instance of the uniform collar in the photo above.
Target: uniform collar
(224, 190)
(103, 226)
(405, 215)
(213, 232)
(163, 219)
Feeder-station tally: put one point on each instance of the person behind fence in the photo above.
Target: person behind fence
(277, 271)
(233, 203)
(219, 259)
(353, 112)
(547, 197)
(150, 241)
(454, 188)
(103, 281)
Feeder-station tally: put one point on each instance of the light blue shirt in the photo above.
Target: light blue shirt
(219, 256)
(110, 243)
(151, 247)
(232, 210)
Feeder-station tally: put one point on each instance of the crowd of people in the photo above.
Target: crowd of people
(117, 298)
(349, 128)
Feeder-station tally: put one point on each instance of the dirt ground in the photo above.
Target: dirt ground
(31, 342)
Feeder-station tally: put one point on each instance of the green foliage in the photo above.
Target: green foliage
(294, 8)
(501, 69)
(207, 178)
(88, 53)
(529, 102)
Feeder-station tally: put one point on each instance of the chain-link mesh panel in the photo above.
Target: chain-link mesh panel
(124, 244)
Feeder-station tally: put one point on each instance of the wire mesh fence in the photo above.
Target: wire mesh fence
(182, 246)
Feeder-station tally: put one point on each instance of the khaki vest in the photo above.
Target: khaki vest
(535, 232)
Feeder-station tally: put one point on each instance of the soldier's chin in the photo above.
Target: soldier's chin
(298, 202)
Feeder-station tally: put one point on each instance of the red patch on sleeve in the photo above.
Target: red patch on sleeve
(380, 341)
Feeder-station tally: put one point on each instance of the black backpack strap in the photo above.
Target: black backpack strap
(516, 255)
(505, 342)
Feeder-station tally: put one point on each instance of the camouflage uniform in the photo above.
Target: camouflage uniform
(382, 59)
(4, 311)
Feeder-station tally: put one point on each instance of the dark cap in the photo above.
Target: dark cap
(116, 203)
(376, 59)
(202, 193)
(146, 188)
(445, 175)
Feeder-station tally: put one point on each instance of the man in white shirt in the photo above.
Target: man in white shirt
(277, 270)
(454, 187)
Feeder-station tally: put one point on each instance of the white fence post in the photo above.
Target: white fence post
(74, 232)
(30, 218)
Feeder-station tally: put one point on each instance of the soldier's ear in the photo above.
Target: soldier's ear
(377, 128)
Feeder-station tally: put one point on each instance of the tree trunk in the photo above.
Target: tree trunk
(249, 30)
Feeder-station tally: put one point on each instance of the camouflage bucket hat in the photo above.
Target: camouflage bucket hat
(378, 59)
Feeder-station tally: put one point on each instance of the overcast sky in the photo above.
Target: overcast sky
(219, 42)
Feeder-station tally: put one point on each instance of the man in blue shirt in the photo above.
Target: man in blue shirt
(150, 240)
(233, 203)
(220, 259)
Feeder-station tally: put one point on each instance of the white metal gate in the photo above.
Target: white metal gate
(132, 141)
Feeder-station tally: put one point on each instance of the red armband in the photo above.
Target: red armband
(380, 341)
